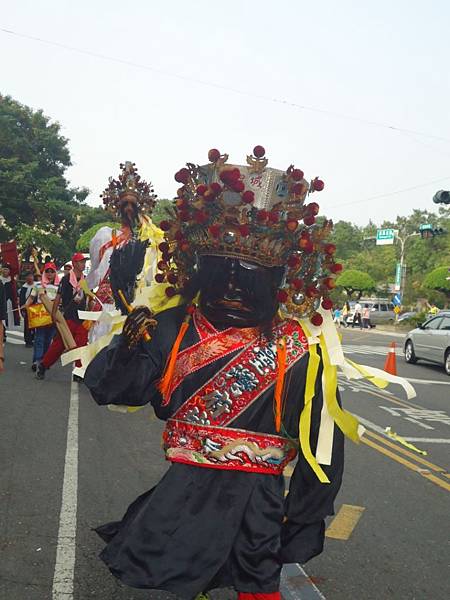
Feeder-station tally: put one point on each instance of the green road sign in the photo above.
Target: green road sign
(385, 237)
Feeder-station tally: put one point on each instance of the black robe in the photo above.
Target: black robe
(201, 528)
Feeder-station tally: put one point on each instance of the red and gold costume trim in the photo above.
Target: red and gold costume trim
(212, 346)
(226, 448)
(197, 434)
(243, 379)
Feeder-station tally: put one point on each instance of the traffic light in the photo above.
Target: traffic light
(441, 197)
(428, 231)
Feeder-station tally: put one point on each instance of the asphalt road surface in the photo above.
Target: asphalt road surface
(68, 465)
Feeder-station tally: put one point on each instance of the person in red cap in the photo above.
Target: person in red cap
(48, 285)
(72, 299)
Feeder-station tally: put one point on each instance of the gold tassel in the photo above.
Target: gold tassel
(278, 395)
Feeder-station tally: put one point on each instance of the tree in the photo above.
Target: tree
(353, 281)
(347, 238)
(439, 280)
(163, 210)
(36, 201)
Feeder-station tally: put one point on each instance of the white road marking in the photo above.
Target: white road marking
(369, 350)
(381, 431)
(65, 552)
(418, 423)
(419, 414)
(425, 381)
(371, 425)
(15, 333)
(294, 588)
(427, 440)
(10, 340)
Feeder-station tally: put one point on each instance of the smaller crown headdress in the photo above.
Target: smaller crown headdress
(128, 183)
(255, 213)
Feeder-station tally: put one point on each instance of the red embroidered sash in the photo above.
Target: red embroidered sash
(212, 346)
(226, 448)
(243, 379)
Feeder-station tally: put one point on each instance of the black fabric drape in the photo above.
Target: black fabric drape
(201, 528)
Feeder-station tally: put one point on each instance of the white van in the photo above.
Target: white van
(381, 310)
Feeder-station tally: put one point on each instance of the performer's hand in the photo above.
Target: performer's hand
(137, 323)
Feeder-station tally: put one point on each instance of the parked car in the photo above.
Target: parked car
(430, 341)
(381, 310)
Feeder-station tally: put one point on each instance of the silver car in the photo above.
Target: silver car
(430, 341)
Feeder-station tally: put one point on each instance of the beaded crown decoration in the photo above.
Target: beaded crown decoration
(254, 213)
(130, 184)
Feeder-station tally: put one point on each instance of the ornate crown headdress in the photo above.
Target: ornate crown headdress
(254, 213)
(128, 183)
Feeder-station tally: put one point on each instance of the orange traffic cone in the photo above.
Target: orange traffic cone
(390, 366)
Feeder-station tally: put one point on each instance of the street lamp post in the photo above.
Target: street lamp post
(402, 241)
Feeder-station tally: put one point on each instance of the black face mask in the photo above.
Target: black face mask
(129, 214)
(236, 293)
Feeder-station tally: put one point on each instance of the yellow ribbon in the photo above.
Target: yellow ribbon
(378, 381)
(402, 441)
(346, 422)
(305, 416)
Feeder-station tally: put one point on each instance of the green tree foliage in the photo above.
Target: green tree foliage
(355, 282)
(348, 239)
(356, 249)
(36, 201)
(439, 280)
(163, 210)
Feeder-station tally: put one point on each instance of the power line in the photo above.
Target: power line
(223, 87)
(415, 187)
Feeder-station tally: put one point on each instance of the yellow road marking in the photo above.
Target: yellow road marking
(394, 399)
(408, 464)
(406, 452)
(344, 522)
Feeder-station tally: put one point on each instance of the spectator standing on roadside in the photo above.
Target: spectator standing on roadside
(345, 313)
(357, 316)
(43, 335)
(12, 316)
(24, 294)
(2, 318)
(72, 298)
(432, 309)
(366, 317)
(337, 316)
(67, 268)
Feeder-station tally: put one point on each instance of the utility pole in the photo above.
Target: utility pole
(402, 240)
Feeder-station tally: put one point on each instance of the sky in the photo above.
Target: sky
(355, 92)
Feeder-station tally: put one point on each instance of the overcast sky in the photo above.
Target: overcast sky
(385, 62)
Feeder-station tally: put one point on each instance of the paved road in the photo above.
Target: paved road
(397, 549)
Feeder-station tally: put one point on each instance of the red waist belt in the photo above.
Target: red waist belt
(226, 448)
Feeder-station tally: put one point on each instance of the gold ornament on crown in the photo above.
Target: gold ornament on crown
(255, 213)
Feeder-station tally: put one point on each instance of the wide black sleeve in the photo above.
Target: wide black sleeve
(118, 375)
(309, 501)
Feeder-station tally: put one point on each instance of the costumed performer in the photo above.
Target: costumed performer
(73, 297)
(239, 387)
(126, 250)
